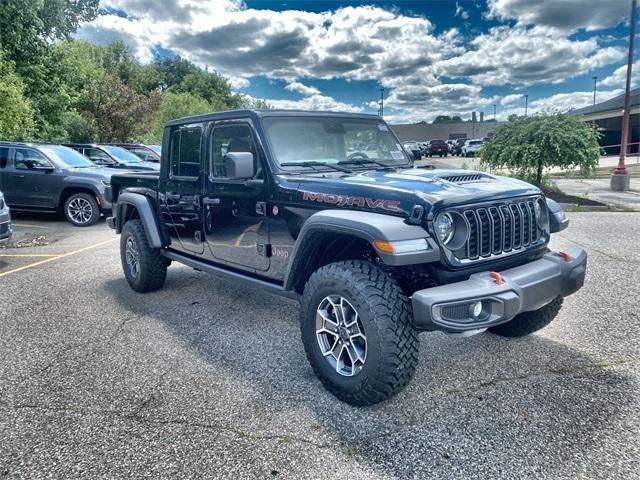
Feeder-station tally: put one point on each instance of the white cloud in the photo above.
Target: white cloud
(527, 56)
(303, 89)
(425, 73)
(314, 102)
(563, 15)
(619, 77)
(461, 12)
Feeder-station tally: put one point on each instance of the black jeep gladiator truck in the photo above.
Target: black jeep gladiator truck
(327, 208)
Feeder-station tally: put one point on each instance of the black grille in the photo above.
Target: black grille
(499, 228)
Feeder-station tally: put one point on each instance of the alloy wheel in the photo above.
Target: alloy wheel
(341, 335)
(80, 210)
(132, 257)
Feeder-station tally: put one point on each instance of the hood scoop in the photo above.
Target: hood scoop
(466, 178)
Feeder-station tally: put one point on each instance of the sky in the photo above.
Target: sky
(437, 57)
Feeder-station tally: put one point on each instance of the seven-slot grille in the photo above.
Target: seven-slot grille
(499, 228)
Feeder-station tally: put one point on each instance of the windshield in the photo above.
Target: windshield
(475, 142)
(121, 154)
(332, 140)
(66, 156)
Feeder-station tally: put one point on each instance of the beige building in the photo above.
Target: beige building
(421, 132)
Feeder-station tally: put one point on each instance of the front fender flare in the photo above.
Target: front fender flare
(147, 215)
(366, 225)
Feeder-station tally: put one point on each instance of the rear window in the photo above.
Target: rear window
(185, 152)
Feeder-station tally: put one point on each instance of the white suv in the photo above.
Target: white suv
(471, 147)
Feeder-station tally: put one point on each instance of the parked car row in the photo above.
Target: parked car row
(73, 179)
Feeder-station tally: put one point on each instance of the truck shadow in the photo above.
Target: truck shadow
(475, 405)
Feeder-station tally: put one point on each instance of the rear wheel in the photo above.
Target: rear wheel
(81, 210)
(357, 332)
(529, 322)
(144, 268)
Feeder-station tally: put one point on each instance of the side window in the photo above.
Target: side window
(4, 156)
(27, 159)
(185, 152)
(98, 156)
(229, 139)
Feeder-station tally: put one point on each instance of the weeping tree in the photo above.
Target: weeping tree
(528, 145)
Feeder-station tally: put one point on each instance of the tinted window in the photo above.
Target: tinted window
(66, 156)
(185, 152)
(27, 159)
(231, 139)
(4, 156)
(98, 156)
(121, 154)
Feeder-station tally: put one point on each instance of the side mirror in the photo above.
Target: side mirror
(238, 165)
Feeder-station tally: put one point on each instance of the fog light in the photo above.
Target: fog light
(475, 309)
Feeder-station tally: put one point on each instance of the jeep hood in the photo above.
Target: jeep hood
(400, 190)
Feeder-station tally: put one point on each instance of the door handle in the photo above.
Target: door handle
(211, 201)
(18, 176)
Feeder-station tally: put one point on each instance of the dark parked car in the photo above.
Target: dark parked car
(374, 250)
(143, 152)
(456, 149)
(53, 178)
(113, 157)
(413, 149)
(438, 147)
(5, 220)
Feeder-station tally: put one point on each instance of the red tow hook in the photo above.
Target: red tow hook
(565, 256)
(497, 278)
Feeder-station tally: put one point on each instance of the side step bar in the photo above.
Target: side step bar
(230, 275)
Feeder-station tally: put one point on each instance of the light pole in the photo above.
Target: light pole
(595, 86)
(494, 111)
(526, 104)
(382, 102)
(620, 176)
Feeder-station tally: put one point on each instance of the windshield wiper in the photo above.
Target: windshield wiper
(364, 161)
(316, 164)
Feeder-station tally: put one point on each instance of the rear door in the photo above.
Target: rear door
(181, 188)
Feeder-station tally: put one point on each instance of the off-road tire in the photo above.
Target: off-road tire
(152, 266)
(87, 200)
(529, 322)
(385, 312)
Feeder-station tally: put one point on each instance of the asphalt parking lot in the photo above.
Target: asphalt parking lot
(204, 379)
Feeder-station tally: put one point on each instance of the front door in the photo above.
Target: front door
(34, 179)
(181, 190)
(235, 210)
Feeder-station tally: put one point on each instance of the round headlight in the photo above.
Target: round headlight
(540, 210)
(444, 227)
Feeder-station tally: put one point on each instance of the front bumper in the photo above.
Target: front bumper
(525, 288)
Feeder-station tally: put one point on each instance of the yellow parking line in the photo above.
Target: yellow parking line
(27, 225)
(41, 262)
(28, 255)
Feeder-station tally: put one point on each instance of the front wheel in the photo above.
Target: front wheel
(144, 268)
(81, 210)
(529, 322)
(357, 332)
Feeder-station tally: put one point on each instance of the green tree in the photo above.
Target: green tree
(175, 105)
(27, 26)
(16, 114)
(212, 87)
(528, 145)
(447, 119)
(115, 111)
